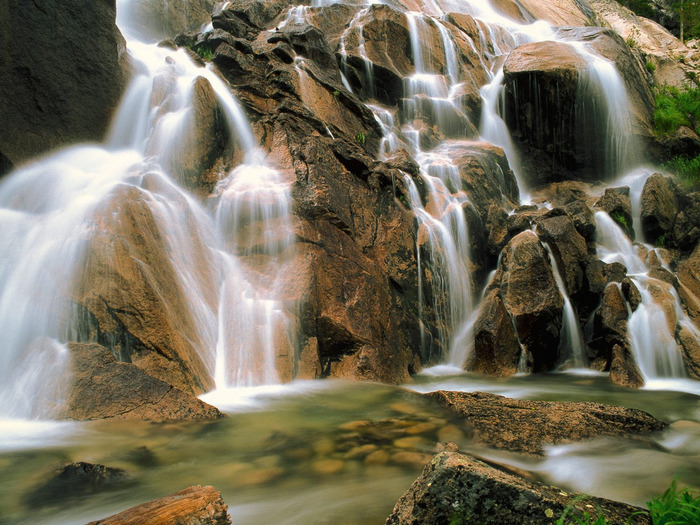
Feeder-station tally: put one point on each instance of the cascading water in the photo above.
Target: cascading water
(49, 208)
(651, 326)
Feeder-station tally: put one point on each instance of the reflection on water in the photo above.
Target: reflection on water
(335, 452)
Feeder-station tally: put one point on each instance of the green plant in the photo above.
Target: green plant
(631, 42)
(687, 170)
(619, 218)
(661, 241)
(675, 507)
(651, 67)
(361, 138)
(205, 52)
(336, 93)
(676, 107)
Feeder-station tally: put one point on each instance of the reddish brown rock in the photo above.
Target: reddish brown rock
(548, 107)
(496, 348)
(132, 301)
(203, 157)
(193, 505)
(616, 203)
(659, 207)
(529, 426)
(102, 388)
(689, 285)
(568, 247)
(610, 339)
(531, 296)
(456, 488)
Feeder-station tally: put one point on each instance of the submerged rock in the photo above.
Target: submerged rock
(102, 388)
(529, 426)
(76, 479)
(456, 488)
(193, 505)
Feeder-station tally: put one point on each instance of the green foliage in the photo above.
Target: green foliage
(661, 241)
(640, 7)
(675, 108)
(675, 507)
(361, 139)
(651, 67)
(336, 93)
(689, 17)
(619, 218)
(687, 170)
(631, 42)
(205, 52)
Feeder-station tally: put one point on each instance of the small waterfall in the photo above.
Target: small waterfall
(571, 344)
(51, 209)
(651, 327)
(653, 342)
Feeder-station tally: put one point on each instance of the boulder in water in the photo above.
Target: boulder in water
(77, 480)
(131, 298)
(529, 426)
(457, 488)
(496, 348)
(531, 296)
(102, 388)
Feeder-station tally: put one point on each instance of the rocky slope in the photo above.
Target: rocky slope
(378, 160)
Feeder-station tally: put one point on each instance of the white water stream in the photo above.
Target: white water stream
(48, 212)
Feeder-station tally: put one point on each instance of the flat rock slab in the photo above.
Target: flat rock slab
(528, 426)
(103, 388)
(458, 489)
(194, 505)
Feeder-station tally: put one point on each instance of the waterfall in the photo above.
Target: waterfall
(51, 209)
(651, 327)
(571, 345)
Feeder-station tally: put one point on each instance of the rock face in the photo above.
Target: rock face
(496, 348)
(65, 86)
(529, 426)
(550, 93)
(156, 19)
(659, 207)
(613, 345)
(455, 488)
(131, 299)
(103, 388)
(532, 299)
(193, 505)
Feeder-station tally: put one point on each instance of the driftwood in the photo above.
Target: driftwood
(193, 505)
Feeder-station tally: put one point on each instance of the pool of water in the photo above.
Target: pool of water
(333, 452)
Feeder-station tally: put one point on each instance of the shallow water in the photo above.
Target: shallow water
(334, 452)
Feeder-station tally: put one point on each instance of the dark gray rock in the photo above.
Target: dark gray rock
(63, 67)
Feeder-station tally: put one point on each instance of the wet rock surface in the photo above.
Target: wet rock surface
(529, 426)
(76, 480)
(456, 488)
(530, 294)
(102, 388)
